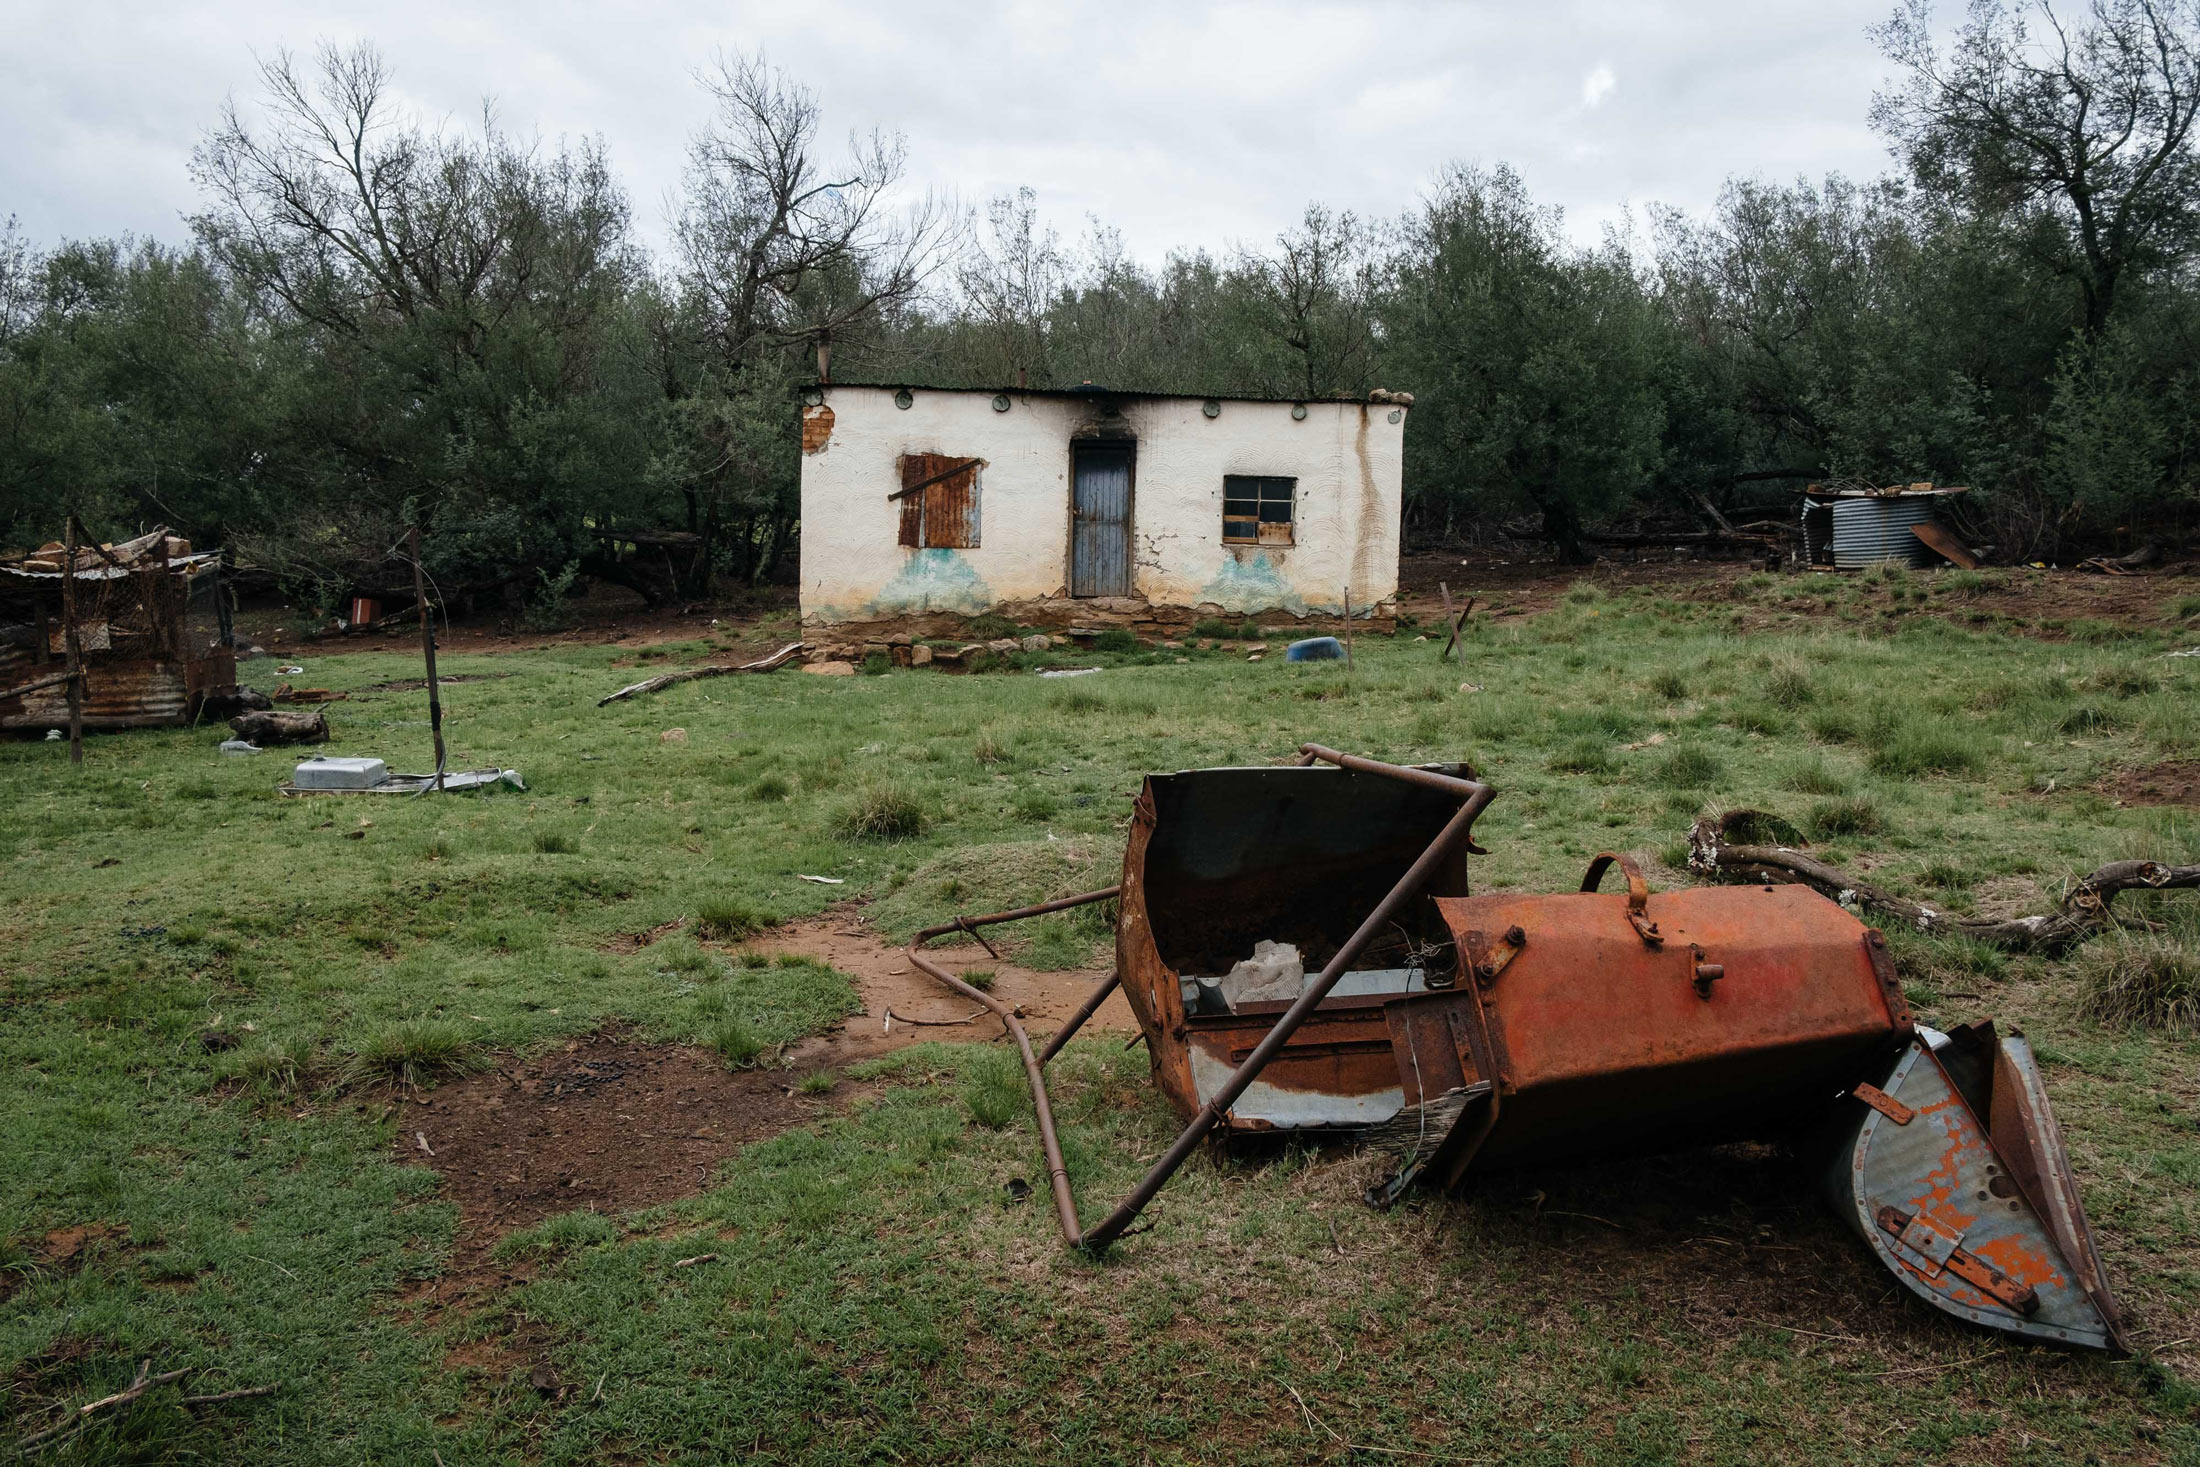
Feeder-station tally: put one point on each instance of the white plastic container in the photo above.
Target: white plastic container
(322, 772)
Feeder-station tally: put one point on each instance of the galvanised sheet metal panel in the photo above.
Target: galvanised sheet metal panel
(1100, 524)
(1871, 531)
(1940, 1168)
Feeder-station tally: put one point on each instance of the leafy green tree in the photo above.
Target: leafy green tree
(1532, 364)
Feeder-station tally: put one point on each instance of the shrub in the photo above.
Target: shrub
(991, 748)
(2152, 982)
(411, 1051)
(1583, 756)
(1584, 593)
(877, 664)
(1857, 816)
(1116, 639)
(1688, 768)
(881, 812)
(555, 843)
(771, 787)
(1669, 685)
(2184, 608)
(727, 918)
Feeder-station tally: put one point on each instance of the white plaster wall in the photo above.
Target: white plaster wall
(1345, 456)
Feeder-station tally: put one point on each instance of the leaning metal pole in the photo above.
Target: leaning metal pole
(1474, 797)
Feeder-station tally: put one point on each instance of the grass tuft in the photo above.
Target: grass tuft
(2147, 982)
(771, 788)
(555, 843)
(1790, 686)
(728, 919)
(1583, 756)
(735, 1042)
(414, 1052)
(1909, 750)
(1857, 816)
(993, 1089)
(1688, 768)
(881, 812)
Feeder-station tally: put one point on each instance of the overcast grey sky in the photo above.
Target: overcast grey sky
(1181, 124)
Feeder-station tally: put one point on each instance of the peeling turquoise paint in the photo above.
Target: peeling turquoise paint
(934, 580)
(1252, 584)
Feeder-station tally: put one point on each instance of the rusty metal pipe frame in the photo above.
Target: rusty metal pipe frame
(1065, 1205)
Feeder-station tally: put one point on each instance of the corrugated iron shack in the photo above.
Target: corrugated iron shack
(151, 626)
(1852, 526)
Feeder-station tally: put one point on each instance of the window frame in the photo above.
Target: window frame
(1262, 492)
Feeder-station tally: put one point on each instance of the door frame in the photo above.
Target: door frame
(1128, 443)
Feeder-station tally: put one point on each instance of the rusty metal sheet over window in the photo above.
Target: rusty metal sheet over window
(939, 501)
(1257, 510)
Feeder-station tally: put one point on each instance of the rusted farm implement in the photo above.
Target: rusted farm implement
(1468, 1033)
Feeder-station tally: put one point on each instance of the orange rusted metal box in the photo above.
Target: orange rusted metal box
(1691, 1016)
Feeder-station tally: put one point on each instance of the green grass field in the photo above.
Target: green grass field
(878, 1295)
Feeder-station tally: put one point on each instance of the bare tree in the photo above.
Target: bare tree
(1010, 283)
(783, 245)
(352, 217)
(1316, 297)
(2084, 133)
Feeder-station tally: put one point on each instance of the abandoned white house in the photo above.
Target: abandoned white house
(1094, 507)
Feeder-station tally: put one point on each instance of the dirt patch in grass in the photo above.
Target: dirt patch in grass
(888, 981)
(2171, 782)
(605, 1122)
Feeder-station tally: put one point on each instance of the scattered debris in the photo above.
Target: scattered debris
(1315, 649)
(240, 746)
(449, 781)
(1471, 1033)
(665, 680)
(698, 1258)
(822, 880)
(129, 1395)
(673, 736)
(270, 727)
(1070, 671)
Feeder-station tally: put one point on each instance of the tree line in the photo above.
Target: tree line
(376, 322)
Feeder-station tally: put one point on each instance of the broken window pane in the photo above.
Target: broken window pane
(1257, 509)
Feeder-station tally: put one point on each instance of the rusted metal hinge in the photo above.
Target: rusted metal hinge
(1943, 1251)
(1879, 1100)
(1706, 973)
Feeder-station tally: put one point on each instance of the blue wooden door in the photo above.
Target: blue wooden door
(1100, 520)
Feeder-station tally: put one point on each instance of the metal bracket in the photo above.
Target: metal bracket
(1487, 958)
(1706, 973)
(1879, 1100)
(1941, 1251)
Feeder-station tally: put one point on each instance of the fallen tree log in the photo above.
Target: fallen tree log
(665, 680)
(2083, 913)
(281, 728)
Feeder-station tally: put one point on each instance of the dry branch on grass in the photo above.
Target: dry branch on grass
(665, 680)
(129, 1395)
(2082, 914)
